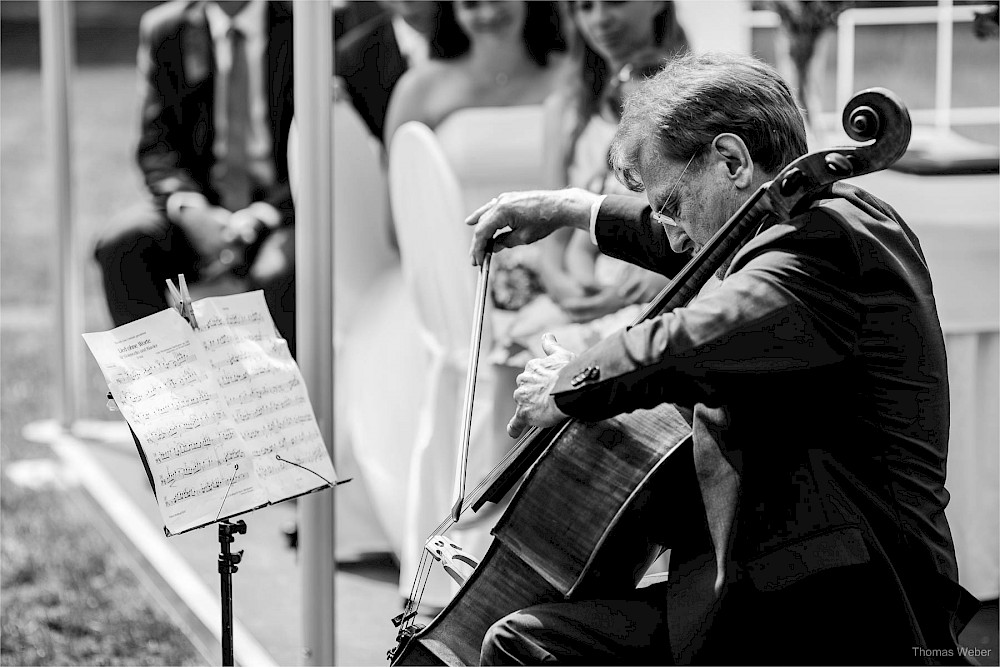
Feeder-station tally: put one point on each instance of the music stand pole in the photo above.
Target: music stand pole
(227, 565)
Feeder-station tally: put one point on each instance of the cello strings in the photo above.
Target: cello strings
(425, 575)
(424, 571)
(495, 473)
(413, 600)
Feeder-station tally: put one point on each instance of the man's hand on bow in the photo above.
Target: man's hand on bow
(527, 217)
(535, 405)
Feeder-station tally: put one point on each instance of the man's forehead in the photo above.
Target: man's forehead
(652, 166)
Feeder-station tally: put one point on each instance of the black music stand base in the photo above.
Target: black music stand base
(227, 565)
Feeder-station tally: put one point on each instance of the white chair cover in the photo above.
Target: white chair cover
(957, 219)
(434, 243)
(492, 150)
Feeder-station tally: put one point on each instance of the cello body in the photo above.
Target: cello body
(614, 478)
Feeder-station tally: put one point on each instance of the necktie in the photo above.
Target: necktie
(234, 184)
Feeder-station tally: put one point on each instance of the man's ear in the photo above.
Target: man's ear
(735, 156)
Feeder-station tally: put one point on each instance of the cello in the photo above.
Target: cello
(578, 524)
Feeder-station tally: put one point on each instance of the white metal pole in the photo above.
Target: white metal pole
(313, 51)
(845, 58)
(945, 39)
(56, 24)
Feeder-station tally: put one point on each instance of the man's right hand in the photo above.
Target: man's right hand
(530, 216)
(206, 229)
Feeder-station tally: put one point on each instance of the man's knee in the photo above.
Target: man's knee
(131, 232)
(509, 642)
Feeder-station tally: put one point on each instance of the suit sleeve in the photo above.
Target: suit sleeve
(789, 304)
(281, 199)
(157, 154)
(282, 91)
(370, 64)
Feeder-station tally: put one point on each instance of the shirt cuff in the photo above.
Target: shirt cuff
(595, 208)
(266, 213)
(186, 199)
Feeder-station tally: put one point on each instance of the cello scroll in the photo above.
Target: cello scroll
(874, 115)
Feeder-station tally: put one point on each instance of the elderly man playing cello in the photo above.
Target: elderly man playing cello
(816, 369)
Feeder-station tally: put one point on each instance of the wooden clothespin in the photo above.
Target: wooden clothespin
(183, 300)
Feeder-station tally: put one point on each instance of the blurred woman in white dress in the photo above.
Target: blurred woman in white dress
(488, 53)
(482, 93)
(580, 295)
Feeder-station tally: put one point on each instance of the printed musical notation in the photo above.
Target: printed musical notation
(168, 362)
(182, 447)
(284, 444)
(173, 403)
(270, 469)
(232, 319)
(155, 385)
(266, 408)
(255, 394)
(179, 427)
(213, 408)
(189, 493)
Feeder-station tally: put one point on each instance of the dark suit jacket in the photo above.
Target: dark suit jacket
(369, 61)
(818, 369)
(175, 146)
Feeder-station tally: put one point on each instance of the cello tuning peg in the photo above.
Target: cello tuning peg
(838, 165)
(790, 183)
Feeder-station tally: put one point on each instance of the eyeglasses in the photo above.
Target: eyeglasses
(660, 216)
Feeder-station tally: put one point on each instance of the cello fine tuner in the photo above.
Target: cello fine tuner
(403, 618)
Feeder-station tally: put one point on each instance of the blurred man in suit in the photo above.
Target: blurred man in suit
(371, 57)
(217, 101)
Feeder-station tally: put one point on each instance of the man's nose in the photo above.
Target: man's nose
(679, 241)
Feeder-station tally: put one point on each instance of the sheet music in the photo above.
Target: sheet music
(219, 411)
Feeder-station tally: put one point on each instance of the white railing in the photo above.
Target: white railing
(945, 15)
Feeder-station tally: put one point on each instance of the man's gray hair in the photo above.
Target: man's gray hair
(697, 97)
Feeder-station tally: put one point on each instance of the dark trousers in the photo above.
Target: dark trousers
(587, 632)
(142, 248)
(845, 616)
